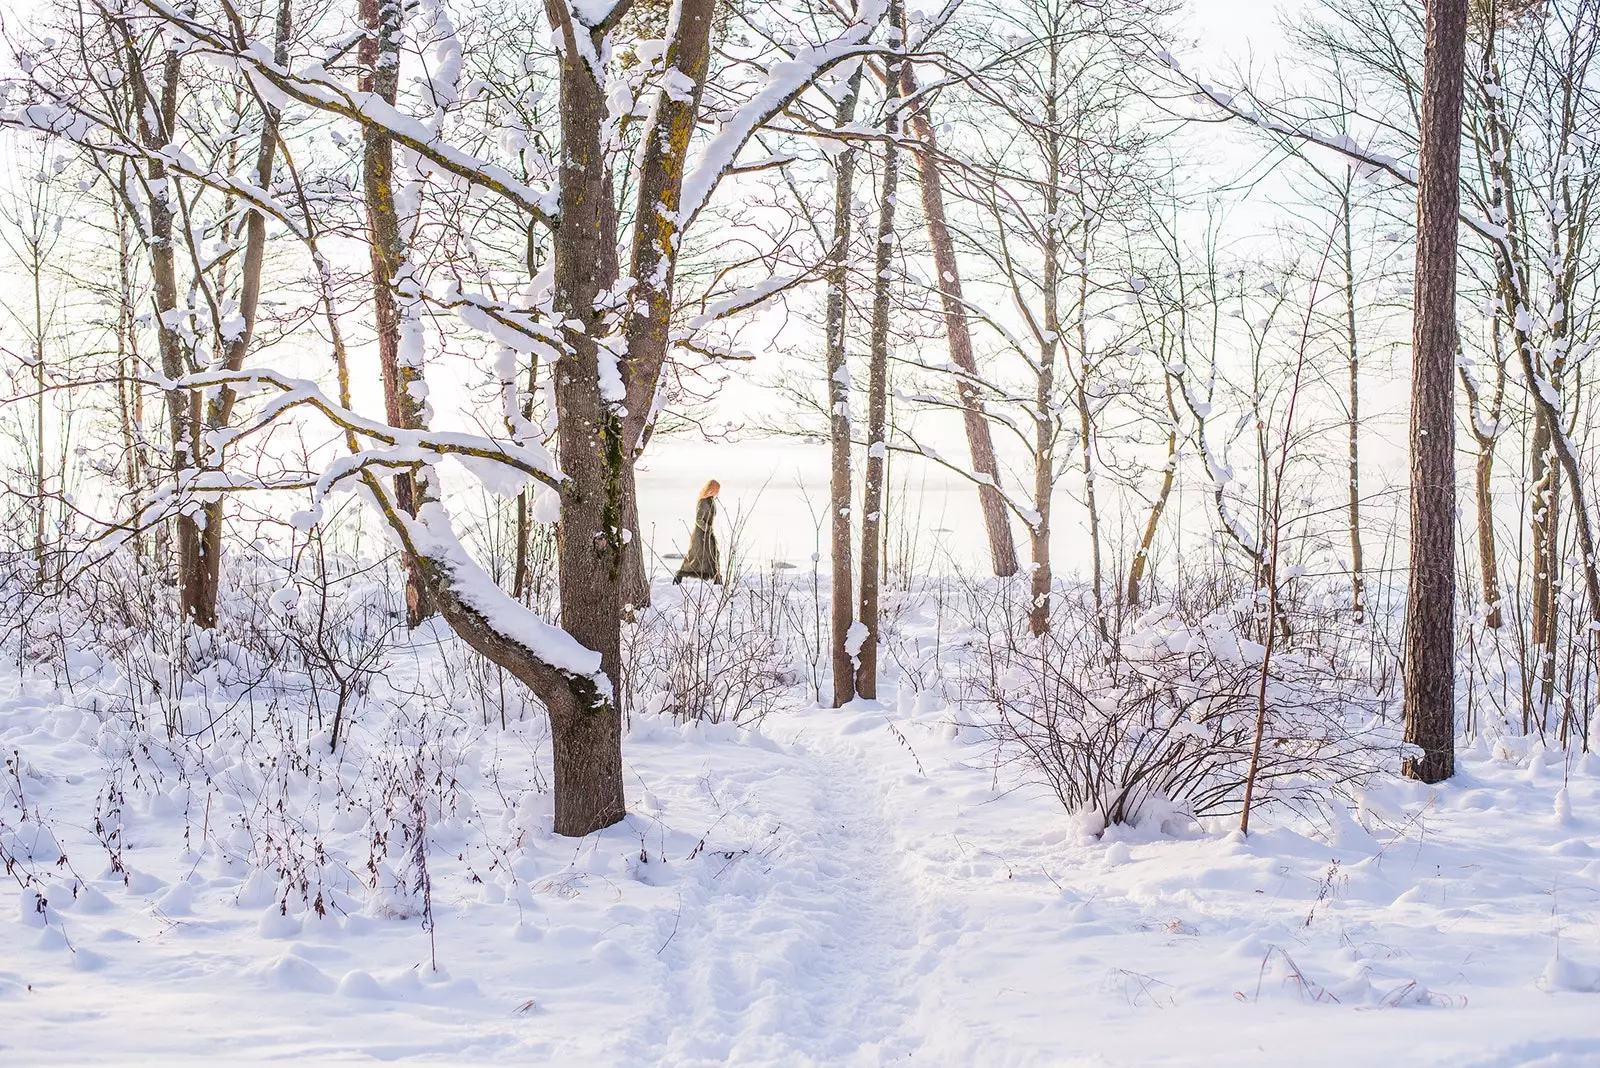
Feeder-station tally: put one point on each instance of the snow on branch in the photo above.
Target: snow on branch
(529, 457)
(1302, 130)
(312, 86)
(786, 80)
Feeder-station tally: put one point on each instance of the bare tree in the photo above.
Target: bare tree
(947, 277)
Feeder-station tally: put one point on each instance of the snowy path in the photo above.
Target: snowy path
(796, 949)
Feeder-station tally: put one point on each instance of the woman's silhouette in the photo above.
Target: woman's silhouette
(702, 561)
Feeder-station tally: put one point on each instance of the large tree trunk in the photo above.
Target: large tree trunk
(872, 503)
(587, 740)
(980, 443)
(1430, 619)
(839, 475)
(380, 64)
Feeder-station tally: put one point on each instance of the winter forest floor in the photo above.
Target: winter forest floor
(852, 887)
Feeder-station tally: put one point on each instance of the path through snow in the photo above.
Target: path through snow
(797, 948)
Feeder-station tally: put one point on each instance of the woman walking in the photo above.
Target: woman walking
(702, 560)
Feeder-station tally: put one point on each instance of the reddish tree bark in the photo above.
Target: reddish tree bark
(1430, 619)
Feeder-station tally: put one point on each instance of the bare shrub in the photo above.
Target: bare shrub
(1161, 720)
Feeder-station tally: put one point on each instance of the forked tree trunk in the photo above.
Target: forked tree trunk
(1430, 618)
(872, 504)
(839, 430)
(980, 443)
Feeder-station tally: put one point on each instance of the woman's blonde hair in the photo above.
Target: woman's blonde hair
(712, 489)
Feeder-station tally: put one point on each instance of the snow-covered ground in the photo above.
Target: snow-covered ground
(853, 887)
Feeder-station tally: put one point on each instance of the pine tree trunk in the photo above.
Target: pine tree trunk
(980, 443)
(1430, 619)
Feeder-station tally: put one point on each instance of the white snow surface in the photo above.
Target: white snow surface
(852, 887)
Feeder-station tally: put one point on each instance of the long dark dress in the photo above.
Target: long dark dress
(702, 560)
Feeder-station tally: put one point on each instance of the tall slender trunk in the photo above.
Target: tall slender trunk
(157, 118)
(1358, 571)
(1544, 522)
(839, 420)
(521, 573)
(1488, 563)
(1044, 416)
(1430, 619)
(380, 65)
(872, 504)
(1140, 563)
(220, 410)
(980, 443)
(40, 482)
(1086, 440)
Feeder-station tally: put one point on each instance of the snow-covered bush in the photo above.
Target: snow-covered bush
(1162, 721)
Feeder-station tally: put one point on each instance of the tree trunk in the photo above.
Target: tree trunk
(1169, 476)
(656, 236)
(1430, 619)
(1044, 416)
(1086, 438)
(980, 444)
(221, 409)
(157, 117)
(40, 482)
(1488, 564)
(872, 503)
(1358, 571)
(839, 475)
(587, 741)
(380, 65)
